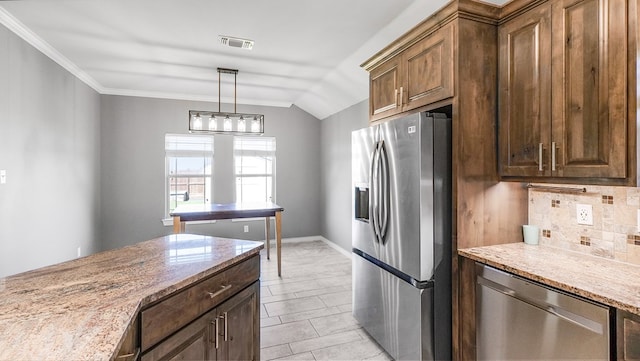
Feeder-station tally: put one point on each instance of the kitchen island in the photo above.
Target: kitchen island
(89, 308)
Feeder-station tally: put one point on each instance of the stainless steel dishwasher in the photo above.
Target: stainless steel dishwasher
(518, 319)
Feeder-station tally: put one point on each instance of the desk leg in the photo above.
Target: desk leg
(178, 227)
(279, 240)
(267, 231)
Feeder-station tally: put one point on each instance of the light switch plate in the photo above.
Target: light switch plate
(584, 214)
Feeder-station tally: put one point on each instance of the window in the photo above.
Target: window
(255, 164)
(188, 170)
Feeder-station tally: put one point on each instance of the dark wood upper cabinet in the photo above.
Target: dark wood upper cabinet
(525, 93)
(563, 92)
(589, 78)
(428, 70)
(420, 75)
(384, 88)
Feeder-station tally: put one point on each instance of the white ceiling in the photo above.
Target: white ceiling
(306, 53)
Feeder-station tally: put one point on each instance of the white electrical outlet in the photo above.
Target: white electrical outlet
(79, 252)
(246, 229)
(584, 214)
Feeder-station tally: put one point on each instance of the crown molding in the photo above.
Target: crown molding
(191, 97)
(18, 28)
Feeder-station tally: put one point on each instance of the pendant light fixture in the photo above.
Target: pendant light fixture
(226, 123)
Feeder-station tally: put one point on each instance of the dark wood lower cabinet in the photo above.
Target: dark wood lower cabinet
(239, 326)
(628, 336)
(191, 343)
(217, 318)
(130, 348)
(228, 332)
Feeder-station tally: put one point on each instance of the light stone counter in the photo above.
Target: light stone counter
(606, 281)
(80, 310)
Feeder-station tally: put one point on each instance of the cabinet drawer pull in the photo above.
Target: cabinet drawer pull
(395, 96)
(401, 95)
(540, 157)
(553, 156)
(222, 289)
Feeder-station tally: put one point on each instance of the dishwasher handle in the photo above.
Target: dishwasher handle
(568, 316)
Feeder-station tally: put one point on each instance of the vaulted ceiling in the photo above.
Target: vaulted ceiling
(306, 52)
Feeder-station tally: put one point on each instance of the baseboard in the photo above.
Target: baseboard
(341, 250)
(301, 239)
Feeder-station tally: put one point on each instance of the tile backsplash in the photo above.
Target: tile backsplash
(614, 233)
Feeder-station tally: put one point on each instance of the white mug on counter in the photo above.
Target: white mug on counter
(530, 234)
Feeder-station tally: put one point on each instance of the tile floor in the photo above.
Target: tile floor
(306, 314)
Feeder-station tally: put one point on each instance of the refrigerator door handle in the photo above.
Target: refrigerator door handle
(384, 192)
(373, 204)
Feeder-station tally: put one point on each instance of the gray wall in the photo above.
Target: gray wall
(336, 171)
(49, 146)
(132, 136)
(87, 170)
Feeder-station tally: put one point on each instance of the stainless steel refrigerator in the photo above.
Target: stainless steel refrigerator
(401, 235)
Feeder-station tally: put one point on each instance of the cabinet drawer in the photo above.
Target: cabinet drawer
(171, 314)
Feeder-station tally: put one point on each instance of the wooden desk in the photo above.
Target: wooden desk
(209, 212)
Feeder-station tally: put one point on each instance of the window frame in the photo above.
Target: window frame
(171, 153)
(271, 152)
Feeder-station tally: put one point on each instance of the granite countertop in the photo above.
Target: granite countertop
(606, 281)
(80, 309)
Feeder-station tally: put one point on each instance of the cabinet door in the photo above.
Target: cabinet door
(428, 70)
(524, 70)
(194, 342)
(239, 326)
(384, 87)
(628, 336)
(589, 87)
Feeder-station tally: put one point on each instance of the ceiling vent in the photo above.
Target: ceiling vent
(235, 42)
